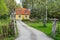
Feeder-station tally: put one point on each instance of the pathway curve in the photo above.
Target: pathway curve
(29, 33)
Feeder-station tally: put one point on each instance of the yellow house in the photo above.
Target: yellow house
(22, 13)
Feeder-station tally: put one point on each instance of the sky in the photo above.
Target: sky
(19, 2)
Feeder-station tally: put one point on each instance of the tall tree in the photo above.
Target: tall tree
(45, 8)
(18, 6)
(3, 8)
(11, 5)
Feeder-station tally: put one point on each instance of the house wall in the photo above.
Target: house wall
(16, 17)
(22, 17)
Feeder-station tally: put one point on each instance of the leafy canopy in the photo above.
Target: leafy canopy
(3, 8)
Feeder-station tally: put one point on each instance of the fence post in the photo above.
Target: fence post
(54, 26)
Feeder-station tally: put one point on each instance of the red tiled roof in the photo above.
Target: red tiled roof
(22, 11)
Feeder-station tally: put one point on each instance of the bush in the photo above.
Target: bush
(35, 20)
(11, 29)
(5, 30)
(58, 29)
(25, 20)
(4, 16)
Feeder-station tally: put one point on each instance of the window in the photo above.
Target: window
(19, 16)
(26, 16)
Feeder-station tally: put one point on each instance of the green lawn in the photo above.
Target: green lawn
(47, 30)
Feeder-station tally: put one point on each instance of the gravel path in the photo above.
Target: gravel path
(29, 33)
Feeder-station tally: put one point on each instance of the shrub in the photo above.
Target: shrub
(11, 29)
(8, 30)
(25, 20)
(5, 30)
(35, 20)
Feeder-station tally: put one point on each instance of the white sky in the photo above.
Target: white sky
(19, 2)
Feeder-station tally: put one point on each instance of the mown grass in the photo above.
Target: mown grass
(47, 30)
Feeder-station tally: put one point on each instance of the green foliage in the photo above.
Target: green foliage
(18, 6)
(3, 8)
(9, 38)
(38, 8)
(58, 32)
(11, 30)
(2, 23)
(25, 20)
(5, 16)
(6, 29)
(11, 5)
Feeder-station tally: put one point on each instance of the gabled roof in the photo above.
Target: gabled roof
(22, 11)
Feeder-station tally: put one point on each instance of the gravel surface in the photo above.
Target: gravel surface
(29, 33)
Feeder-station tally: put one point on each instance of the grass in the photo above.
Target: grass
(9, 38)
(47, 30)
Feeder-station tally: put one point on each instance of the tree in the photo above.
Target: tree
(54, 9)
(46, 8)
(18, 6)
(11, 5)
(3, 8)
